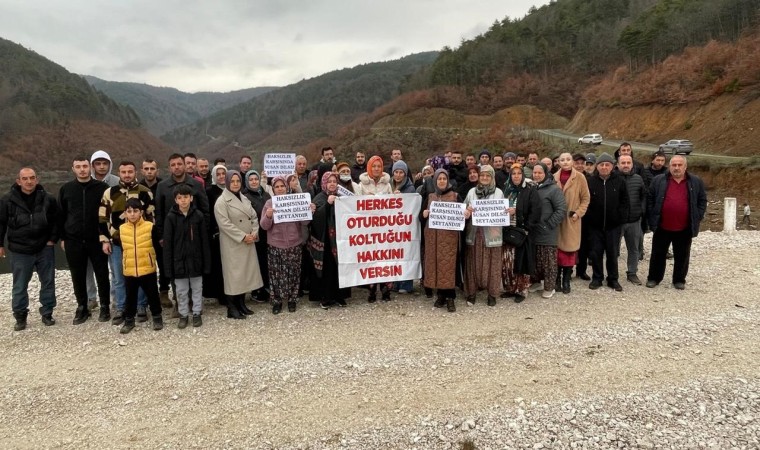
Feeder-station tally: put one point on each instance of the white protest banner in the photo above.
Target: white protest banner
(490, 213)
(446, 216)
(343, 192)
(291, 207)
(279, 164)
(378, 238)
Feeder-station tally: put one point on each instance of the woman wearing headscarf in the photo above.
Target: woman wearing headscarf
(553, 211)
(213, 283)
(258, 196)
(307, 266)
(401, 184)
(344, 176)
(525, 212)
(322, 245)
(441, 247)
(312, 182)
(577, 198)
(483, 249)
(426, 174)
(375, 182)
(472, 181)
(284, 245)
(238, 231)
(322, 168)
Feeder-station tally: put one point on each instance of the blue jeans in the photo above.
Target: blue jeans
(22, 266)
(117, 280)
(407, 285)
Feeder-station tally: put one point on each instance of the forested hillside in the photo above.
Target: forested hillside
(588, 37)
(345, 93)
(35, 91)
(162, 109)
(48, 114)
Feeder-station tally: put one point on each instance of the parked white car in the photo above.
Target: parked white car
(594, 139)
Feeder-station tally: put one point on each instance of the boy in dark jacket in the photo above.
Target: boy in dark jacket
(187, 255)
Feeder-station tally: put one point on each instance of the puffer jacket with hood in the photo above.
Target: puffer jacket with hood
(110, 179)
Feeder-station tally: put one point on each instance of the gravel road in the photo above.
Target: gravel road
(645, 368)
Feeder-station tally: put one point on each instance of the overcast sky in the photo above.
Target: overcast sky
(233, 44)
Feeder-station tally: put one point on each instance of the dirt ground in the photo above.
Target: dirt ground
(324, 379)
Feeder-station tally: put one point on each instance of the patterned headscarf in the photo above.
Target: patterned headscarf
(326, 177)
(485, 191)
(280, 178)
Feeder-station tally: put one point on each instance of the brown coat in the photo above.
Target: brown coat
(577, 198)
(440, 250)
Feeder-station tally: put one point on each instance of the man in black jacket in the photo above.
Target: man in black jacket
(359, 167)
(457, 169)
(80, 200)
(631, 229)
(606, 212)
(28, 218)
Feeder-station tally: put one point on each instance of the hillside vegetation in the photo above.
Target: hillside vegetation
(162, 109)
(344, 93)
(48, 114)
(35, 91)
(587, 61)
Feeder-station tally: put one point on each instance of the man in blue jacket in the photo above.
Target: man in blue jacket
(675, 207)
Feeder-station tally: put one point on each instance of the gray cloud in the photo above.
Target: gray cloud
(195, 45)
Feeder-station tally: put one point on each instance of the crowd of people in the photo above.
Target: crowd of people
(207, 231)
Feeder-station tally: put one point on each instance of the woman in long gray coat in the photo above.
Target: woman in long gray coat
(546, 235)
(238, 232)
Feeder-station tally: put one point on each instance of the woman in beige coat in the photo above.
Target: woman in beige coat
(575, 189)
(238, 232)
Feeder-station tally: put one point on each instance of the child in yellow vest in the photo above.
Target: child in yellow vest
(139, 262)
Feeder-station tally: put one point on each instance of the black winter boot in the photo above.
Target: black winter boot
(372, 297)
(567, 273)
(81, 315)
(244, 309)
(232, 309)
(440, 301)
(20, 320)
(129, 325)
